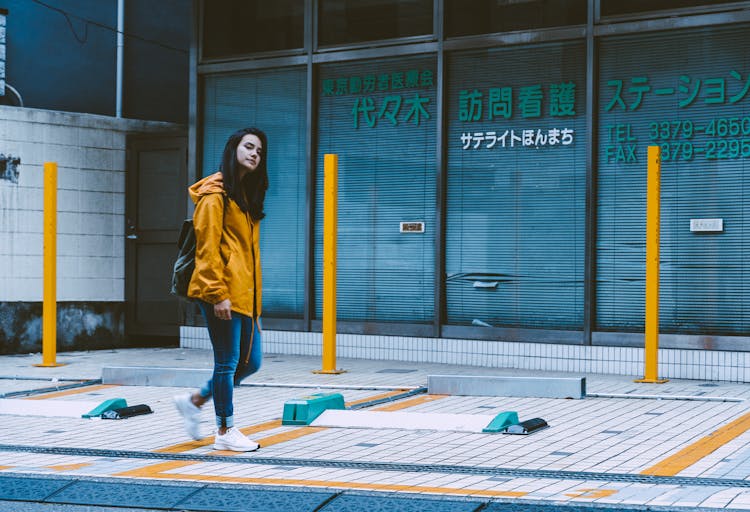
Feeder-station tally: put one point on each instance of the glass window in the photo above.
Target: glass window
(354, 21)
(617, 7)
(239, 27)
(686, 92)
(274, 101)
(379, 118)
(516, 187)
(487, 16)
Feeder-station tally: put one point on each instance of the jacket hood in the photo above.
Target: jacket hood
(213, 184)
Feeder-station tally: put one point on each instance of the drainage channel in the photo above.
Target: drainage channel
(689, 398)
(51, 389)
(385, 466)
(386, 400)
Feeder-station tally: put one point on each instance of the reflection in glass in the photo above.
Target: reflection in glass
(240, 27)
(354, 21)
(487, 16)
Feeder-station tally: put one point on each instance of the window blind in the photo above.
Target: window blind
(516, 191)
(379, 118)
(273, 101)
(687, 93)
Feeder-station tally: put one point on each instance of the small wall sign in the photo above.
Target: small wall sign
(706, 225)
(411, 227)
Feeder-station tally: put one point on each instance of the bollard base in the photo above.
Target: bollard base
(49, 365)
(329, 372)
(651, 381)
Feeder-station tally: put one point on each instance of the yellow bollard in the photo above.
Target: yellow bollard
(653, 201)
(330, 198)
(49, 303)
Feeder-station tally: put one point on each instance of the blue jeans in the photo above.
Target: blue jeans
(237, 354)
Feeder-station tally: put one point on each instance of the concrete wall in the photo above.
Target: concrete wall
(90, 152)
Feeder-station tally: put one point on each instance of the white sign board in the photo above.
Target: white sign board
(706, 225)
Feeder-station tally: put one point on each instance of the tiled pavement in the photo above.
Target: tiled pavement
(626, 445)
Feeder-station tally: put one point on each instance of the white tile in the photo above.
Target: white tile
(64, 156)
(68, 201)
(96, 138)
(59, 134)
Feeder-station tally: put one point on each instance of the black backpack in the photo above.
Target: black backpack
(185, 263)
(184, 266)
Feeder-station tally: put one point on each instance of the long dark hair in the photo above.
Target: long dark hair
(250, 191)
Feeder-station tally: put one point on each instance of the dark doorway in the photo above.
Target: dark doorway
(155, 208)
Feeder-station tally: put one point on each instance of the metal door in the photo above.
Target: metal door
(155, 209)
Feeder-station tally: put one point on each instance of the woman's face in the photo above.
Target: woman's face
(249, 152)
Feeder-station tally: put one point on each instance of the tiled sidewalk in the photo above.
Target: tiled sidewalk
(683, 444)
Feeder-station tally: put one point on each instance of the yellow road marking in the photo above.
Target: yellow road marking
(377, 397)
(186, 446)
(160, 471)
(592, 493)
(166, 470)
(294, 434)
(253, 429)
(691, 454)
(192, 445)
(276, 439)
(68, 392)
(69, 467)
(288, 436)
(409, 403)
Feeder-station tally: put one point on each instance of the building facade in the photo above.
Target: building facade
(61, 55)
(492, 174)
(63, 100)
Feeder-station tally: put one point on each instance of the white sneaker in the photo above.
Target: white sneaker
(190, 415)
(234, 440)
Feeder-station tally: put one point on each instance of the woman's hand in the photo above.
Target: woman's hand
(223, 310)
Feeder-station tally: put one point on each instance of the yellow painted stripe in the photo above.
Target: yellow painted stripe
(68, 392)
(186, 446)
(5, 467)
(288, 436)
(69, 467)
(592, 493)
(305, 431)
(297, 433)
(262, 427)
(160, 471)
(276, 439)
(192, 445)
(377, 397)
(409, 403)
(689, 455)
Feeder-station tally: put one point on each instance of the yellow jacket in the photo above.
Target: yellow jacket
(227, 252)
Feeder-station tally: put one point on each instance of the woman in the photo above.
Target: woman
(226, 281)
